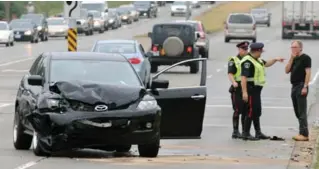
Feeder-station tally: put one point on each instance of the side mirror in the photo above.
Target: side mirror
(149, 34)
(160, 84)
(106, 10)
(149, 54)
(197, 35)
(35, 80)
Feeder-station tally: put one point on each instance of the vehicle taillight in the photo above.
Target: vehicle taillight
(155, 48)
(315, 23)
(189, 49)
(254, 27)
(135, 60)
(284, 24)
(202, 35)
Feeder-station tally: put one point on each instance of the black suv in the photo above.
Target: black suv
(146, 8)
(40, 21)
(172, 43)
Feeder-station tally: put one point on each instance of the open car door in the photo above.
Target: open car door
(182, 108)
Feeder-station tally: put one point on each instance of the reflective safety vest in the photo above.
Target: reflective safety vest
(259, 78)
(237, 76)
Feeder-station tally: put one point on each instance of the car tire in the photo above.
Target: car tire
(268, 24)
(227, 40)
(154, 68)
(32, 41)
(37, 40)
(8, 44)
(172, 14)
(194, 67)
(254, 40)
(21, 141)
(91, 32)
(87, 33)
(36, 146)
(123, 149)
(12, 43)
(149, 150)
(101, 31)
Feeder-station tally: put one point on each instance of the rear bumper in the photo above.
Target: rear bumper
(178, 12)
(58, 34)
(67, 131)
(262, 22)
(240, 35)
(165, 60)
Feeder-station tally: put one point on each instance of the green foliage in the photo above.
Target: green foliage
(114, 4)
(48, 7)
(16, 7)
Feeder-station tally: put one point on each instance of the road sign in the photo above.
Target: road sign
(72, 9)
(72, 42)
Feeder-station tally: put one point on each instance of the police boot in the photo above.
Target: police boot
(259, 134)
(236, 134)
(246, 133)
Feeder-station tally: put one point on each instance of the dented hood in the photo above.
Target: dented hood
(92, 93)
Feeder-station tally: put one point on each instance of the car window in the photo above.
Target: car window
(116, 48)
(34, 66)
(259, 11)
(4, 26)
(179, 3)
(240, 19)
(172, 30)
(41, 67)
(96, 71)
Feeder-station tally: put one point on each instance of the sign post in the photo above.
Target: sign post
(72, 11)
(188, 10)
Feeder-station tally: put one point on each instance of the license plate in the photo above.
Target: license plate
(302, 24)
(240, 30)
(102, 125)
(156, 53)
(17, 36)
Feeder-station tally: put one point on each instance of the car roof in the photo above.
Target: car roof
(187, 21)
(5, 22)
(239, 14)
(113, 57)
(173, 23)
(116, 41)
(55, 18)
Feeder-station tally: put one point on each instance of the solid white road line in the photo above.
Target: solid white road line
(5, 105)
(27, 165)
(264, 107)
(16, 61)
(13, 70)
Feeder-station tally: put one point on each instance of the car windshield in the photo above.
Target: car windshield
(56, 22)
(115, 48)
(96, 7)
(179, 3)
(34, 17)
(142, 4)
(95, 14)
(15, 25)
(172, 30)
(95, 71)
(122, 11)
(3, 26)
(241, 19)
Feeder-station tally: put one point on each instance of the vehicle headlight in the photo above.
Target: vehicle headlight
(124, 17)
(111, 20)
(53, 103)
(27, 32)
(39, 28)
(147, 104)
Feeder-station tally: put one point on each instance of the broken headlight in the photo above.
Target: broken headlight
(53, 103)
(147, 105)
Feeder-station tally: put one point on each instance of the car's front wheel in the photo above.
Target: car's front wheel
(149, 150)
(37, 149)
(21, 141)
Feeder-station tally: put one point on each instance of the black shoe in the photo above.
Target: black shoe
(248, 137)
(261, 136)
(236, 134)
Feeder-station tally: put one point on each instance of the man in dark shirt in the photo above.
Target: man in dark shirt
(252, 81)
(299, 67)
(234, 74)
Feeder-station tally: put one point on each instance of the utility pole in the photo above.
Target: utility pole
(7, 5)
(188, 10)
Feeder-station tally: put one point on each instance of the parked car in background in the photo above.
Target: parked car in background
(6, 34)
(161, 3)
(40, 21)
(261, 16)
(132, 50)
(196, 4)
(25, 30)
(146, 8)
(114, 20)
(133, 12)
(125, 15)
(98, 21)
(58, 27)
(240, 26)
(85, 23)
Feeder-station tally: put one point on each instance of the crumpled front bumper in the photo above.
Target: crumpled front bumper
(66, 131)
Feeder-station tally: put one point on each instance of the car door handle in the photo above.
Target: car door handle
(198, 97)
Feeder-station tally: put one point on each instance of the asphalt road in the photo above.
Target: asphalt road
(215, 150)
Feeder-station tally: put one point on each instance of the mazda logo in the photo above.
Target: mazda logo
(101, 107)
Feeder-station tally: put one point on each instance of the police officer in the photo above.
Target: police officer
(234, 75)
(252, 80)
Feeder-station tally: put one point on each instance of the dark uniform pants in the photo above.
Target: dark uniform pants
(239, 106)
(254, 109)
(300, 107)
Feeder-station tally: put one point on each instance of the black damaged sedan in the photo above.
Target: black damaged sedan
(72, 100)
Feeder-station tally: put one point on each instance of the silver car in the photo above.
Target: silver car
(132, 50)
(240, 26)
(98, 21)
(58, 27)
(179, 8)
(262, 16)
